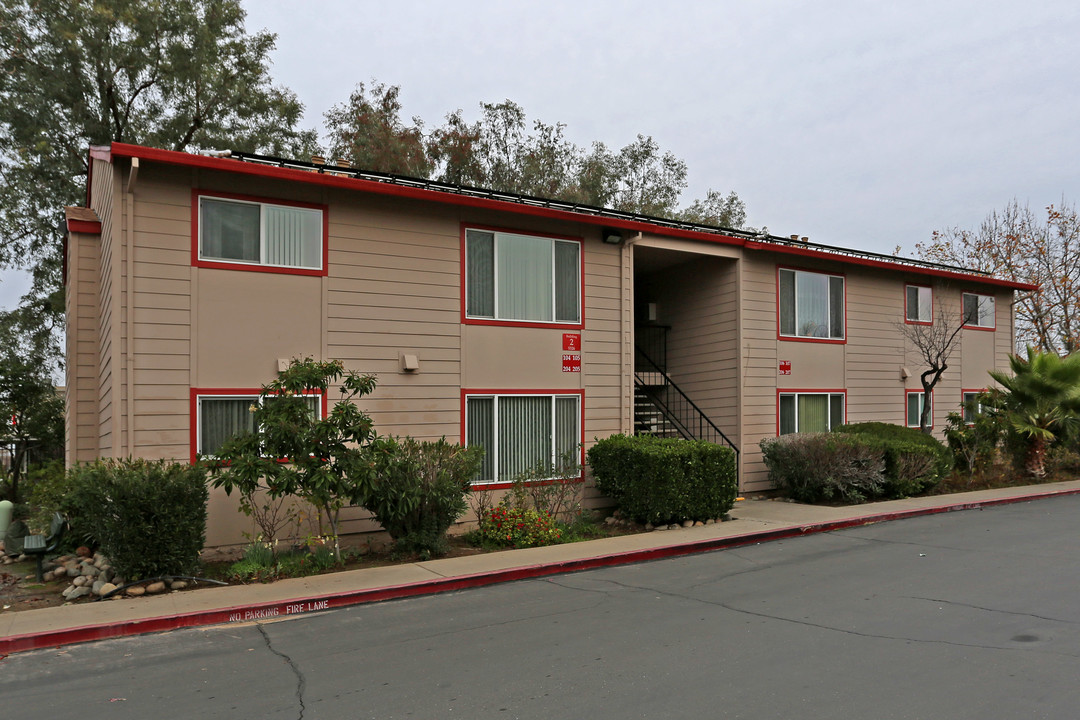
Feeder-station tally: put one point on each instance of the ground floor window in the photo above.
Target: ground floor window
(810, 411)
(916, 401)
(522, 432)
(218, 415)
(971, 405)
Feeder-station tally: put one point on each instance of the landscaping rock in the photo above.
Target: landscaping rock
(96, 587)
(688, 523)
(698, 523)
(156, 587)
(178, 585)
(78, 592)
(60, 572)
(48, 577)
(135, 590)
(83, 551)
(79, 581)
(649, 527)
(105, 589)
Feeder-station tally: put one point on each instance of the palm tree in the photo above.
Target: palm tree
(1041, 399)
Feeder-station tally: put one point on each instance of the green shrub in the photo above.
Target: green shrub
(816, 467)
(914, 461)
(974, 445)
(661, 480)
(149, 518)
(51, 489)
(553, 490)
(510, 526)
(418, 489)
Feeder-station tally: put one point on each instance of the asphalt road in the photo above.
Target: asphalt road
(973, 614)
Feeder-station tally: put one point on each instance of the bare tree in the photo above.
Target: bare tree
(1017, 244)
(934, 343)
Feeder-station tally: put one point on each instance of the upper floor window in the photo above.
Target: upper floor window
(260, 235)
(811, 305)
(971, 405)
(522, 278)
(810, 412)
(979, 311)
(918, 304)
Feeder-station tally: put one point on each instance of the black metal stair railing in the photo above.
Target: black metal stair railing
(650, 343)
(679, 410)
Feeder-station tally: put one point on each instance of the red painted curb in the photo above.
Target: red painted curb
(318, 603)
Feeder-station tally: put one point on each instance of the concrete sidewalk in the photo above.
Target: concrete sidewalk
(753, 521)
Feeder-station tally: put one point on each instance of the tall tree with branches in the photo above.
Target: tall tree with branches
(1019, 244)
(934, 344)
(176, 74)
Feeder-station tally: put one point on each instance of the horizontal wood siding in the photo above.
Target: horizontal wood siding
(161, 336)
(104, 197)
(758, 350)
(394, 287)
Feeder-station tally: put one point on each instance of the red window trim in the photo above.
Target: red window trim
(196, 393)
(809, 391)
(196, 261)
(919, 322)
(465, 392)
(992, 328)
(909, 391)
(795, 338)
(465, 320)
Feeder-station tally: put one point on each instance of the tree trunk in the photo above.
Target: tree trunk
(1036, 457)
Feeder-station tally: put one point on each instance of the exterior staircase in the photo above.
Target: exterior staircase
(664, 410)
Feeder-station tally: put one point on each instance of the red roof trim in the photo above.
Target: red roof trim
(84, 226)
(172, 157)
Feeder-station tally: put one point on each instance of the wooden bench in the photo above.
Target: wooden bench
(40, 545)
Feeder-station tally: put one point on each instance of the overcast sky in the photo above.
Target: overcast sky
(865, 125)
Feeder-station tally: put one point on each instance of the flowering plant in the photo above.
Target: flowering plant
(518, 527)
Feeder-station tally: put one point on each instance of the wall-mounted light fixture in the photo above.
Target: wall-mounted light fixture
(611, 237)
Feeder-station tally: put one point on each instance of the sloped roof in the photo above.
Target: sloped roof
(350, 178)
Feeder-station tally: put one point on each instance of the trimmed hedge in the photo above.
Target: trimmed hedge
(148, 517)
(914, 461)
(661, 480)
(822, 467)
(855, 463)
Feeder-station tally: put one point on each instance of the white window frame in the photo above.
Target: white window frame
(263, 207)
(986, 305)
(924, 310)
(254, 399)
(493, 457)
(800, 394)
(975, 407)
(832, 334)
(922, 401)
(498, 315)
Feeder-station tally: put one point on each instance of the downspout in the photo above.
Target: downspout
(626, 394)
